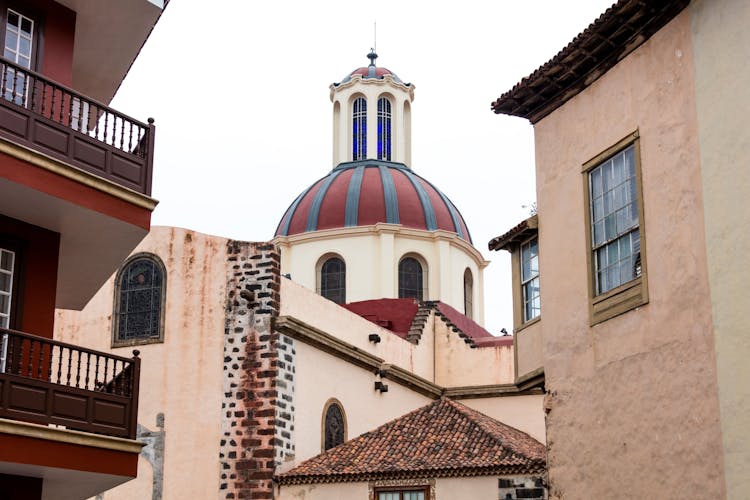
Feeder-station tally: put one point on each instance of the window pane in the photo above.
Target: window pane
(410, 279)
(12, 19)
(388, 496)
(6, 260)
(414, 495)
(26, 26)
(141, 296)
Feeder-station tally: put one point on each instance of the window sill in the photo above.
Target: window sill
(136, 342)
(618, 300)
(530, 322)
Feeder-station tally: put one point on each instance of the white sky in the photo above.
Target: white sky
(239, 91)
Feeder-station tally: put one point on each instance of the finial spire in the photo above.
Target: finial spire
(372, 56)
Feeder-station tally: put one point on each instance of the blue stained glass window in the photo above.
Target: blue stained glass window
(384, 129)
(359, 129)
(139, 301)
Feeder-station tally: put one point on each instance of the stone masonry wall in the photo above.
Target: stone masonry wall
(285, 400)
(247, 449)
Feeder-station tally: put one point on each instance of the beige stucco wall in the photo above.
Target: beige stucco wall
(321, 376)
(525, 413)
(180, 378)
(452, 488)
(633, 400)
(721, 48)
(459, 365)
(529, 346)
(339, 491)
(372, 253)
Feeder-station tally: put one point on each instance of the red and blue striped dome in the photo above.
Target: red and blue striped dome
(365, 192)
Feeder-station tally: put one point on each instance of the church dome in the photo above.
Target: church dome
(366, 192)
(371, 71)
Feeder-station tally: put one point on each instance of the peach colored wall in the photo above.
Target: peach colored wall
(451, 488)
(721, 49)
(529, 349)
(459, 365)
(633, 400)
(321, 376)
(525, 413)
(182, 377)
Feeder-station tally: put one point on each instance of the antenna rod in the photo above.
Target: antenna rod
(375, 36)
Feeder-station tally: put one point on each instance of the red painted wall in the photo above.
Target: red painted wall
(56, 29)
(38, 274)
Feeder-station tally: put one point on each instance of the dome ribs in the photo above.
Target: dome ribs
(389, 193)
(351, 215)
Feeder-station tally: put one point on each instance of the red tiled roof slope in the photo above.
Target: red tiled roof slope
(395, 315)
(442, 439)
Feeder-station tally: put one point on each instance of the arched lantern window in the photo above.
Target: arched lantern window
(468, 293)
(359, 129)
(410, 279)
(384, 129)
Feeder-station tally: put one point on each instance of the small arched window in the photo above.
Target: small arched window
(333, 280)
(410, 279)
(359, 129)
(334, 425)
(468, 293)
(140, 291)
(384, 129)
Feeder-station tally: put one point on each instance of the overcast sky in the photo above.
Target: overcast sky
(240, 93)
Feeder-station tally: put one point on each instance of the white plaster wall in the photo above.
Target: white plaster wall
(372, 253)
(321, 376)
(455, 488)
(525, 413)
(339, 491)
(180, 377)
(311, 308)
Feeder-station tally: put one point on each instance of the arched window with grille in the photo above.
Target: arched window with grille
(468, 294)
(140, 292)
(334, 424)
(384, 129)
(359, 129)
(332, 279)
(411, 282)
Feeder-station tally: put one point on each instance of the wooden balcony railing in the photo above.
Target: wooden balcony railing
(57, 121)
(50, 382)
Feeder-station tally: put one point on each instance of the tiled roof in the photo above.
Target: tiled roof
(521, 231)
(620, 30)
(408, 317)
(443, 439)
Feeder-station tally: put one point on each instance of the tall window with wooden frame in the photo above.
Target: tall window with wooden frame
(359, 129)
(7, 275)
(334, 424)
(140, 294)
(530, 295)
(332, 279)
(614, 203)
(20, 38)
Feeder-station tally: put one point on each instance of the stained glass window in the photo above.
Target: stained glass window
(468, 294)
(140, 301)
(384, 129)
(359, 129)
(334, 427)
(333, 280)
(410, 279)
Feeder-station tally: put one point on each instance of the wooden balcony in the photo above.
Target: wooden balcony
(50, 118)
(48, 382)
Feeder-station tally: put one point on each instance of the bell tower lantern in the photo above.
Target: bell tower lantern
(372, 116)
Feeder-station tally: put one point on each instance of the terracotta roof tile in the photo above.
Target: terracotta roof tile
(442, 439)
(617, 32)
